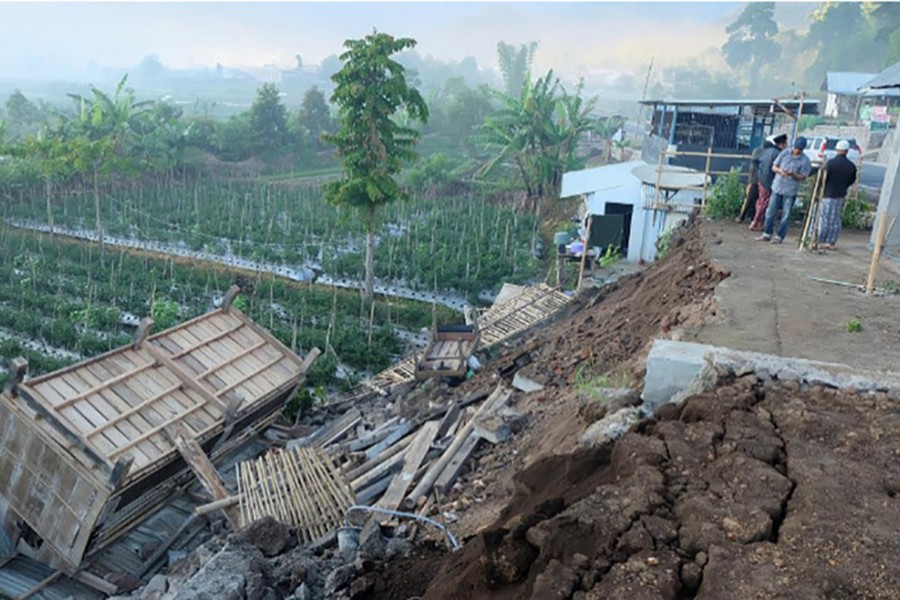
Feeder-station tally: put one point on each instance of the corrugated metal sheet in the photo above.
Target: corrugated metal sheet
(22, 574)
(888, 78)
(846, 83)
(606, 177)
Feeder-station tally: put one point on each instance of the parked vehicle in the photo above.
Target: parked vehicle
(820, 149)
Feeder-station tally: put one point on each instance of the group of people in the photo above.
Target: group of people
(776, 173)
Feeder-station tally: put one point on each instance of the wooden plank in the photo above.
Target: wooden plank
(104, 384)
(256, 372)
(200, 464)
(189, 381)
(414, 456)
(390, 440)
(267, 336)
(134, 410)
(500, 395)
(233, 358)
(209, 340)
(154, 431)
(448, 476)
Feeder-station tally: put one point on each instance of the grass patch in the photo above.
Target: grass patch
(854, 326)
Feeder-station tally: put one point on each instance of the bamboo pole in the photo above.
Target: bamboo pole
(706, 174)
(584, 251)
(876, 253)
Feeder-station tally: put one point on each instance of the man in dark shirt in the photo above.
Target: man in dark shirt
(765, 176)
(840, 174)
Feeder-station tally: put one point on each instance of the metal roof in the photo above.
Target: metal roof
(810, 105)
(889, 78)
(845, 83)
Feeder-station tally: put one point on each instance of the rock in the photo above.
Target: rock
(556, 581)
(398, 548)
(155, 589)
(524, 384)
(371, 542)
(338, 579)
(303, 593)
(267, 534)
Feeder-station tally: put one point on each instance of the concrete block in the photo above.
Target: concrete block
(524, 384)
(671, 367)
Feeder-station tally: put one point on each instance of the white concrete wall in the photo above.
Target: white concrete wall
(889, 201)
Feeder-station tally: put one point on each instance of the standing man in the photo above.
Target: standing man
(790, 168)
(765, 176)
(751, 194)
(840, 174)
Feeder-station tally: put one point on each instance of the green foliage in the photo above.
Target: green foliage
(515, 65)
(373, 141)
(591, 385)
(164, 313)
(314, 118)
(536, 135)
(726, 197)
(268, 121)
(304, 400)
(664, 244)
(610, 258)
(751, 40)
(891, 287)
(854, 326)
(371, 90)
(854, 213)
(808, 122)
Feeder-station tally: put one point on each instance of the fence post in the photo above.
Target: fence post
(706, 173)
(662, 155)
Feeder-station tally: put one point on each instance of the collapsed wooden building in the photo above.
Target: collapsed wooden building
(93, 451)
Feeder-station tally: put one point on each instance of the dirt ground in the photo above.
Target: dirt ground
(755, 490)
(601, 340)
(770, 305)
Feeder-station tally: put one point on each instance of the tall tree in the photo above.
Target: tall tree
(370, 91)
(886, 17)
(751, 40)
(268, 120)
(842, 38)
(315, 117)
(536, 135)
(515, 65)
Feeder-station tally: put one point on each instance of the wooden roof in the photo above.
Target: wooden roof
(118, 405)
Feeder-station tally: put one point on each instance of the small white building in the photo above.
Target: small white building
(630, 189)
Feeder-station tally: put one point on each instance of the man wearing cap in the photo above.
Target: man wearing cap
(765, 176)
(840, 173)
(790, 168)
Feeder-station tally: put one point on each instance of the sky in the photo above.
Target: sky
(48, 40)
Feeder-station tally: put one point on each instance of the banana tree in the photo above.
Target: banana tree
(536, 135)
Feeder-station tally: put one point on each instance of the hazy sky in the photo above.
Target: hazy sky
(576, 38)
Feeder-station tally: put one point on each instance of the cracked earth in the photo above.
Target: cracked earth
(754, 490)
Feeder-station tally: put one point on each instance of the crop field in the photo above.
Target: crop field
(62, 300)
(461, 244)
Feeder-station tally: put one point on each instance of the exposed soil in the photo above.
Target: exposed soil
(754, 490)
(604, 332)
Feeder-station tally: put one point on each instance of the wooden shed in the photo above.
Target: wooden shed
(87, 450)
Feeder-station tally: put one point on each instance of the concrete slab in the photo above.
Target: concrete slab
(674, 368)
(770, 305)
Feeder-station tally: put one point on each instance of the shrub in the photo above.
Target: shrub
(854, 215)
(854, 326)
(726, 197)
(664, 244)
